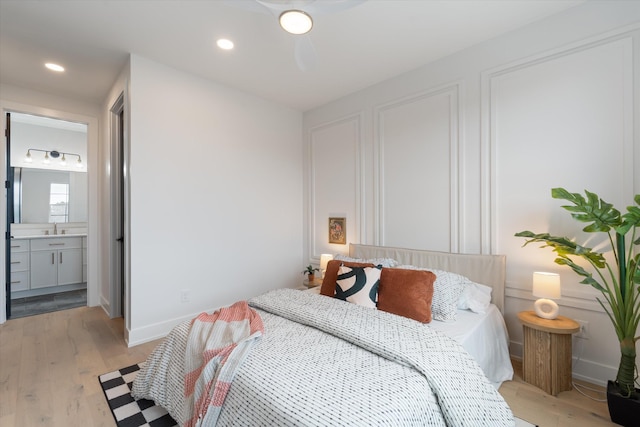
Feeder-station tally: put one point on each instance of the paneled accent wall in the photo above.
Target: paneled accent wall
(335, 181)
(461, 154)
(559, 120)
(417, 141)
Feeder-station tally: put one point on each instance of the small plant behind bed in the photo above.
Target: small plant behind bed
(310, 271)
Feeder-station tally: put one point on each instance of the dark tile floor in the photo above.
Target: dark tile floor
(30, 306)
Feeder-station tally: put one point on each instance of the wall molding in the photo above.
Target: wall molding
(454, 91)
(488, 185)
(587, 302)
(357, 120)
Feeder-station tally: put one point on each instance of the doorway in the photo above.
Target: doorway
(118, 232)
(47, 214)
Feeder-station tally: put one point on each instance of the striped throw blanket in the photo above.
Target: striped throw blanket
(217, 345)
(205, 353)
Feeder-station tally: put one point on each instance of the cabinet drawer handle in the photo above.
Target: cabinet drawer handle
(17, 246)
(60, 257)
(53, 258)
(15, 281)
(56, 244)
(16, 262)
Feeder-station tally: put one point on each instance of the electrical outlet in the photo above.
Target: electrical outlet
(584, 330)
(184, 295)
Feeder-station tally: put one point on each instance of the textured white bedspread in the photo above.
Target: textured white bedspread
(325, 362)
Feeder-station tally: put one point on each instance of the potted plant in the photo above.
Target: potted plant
(310, 271)
(618, 279)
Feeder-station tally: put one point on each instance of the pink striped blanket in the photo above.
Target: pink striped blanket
(217, 345)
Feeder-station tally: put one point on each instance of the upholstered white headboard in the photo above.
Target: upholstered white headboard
(488, 270)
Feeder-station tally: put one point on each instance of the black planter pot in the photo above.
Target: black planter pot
(623, 410)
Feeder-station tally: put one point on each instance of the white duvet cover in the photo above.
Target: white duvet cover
(326, 362)
(483, 335)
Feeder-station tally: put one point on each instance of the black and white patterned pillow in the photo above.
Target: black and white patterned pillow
(358, 285)
(447, 289)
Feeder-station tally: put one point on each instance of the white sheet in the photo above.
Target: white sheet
(484, 336)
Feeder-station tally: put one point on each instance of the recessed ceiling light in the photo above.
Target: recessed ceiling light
(225, 44)
(54, 67)
(296, 22)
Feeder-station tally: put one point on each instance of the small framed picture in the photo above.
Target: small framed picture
(338, 231)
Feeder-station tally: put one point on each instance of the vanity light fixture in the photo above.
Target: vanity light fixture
(296, 21)
(52, 154)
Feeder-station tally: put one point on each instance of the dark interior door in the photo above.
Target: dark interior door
(120, 209)
(9, 191)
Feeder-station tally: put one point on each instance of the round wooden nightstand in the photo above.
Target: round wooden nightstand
(308, 285)
(547, 351)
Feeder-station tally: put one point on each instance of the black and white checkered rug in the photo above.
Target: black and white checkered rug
(127, 411)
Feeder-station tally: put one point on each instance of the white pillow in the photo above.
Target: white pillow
(447, 289)
(385, 262)
(358, 285)
(475, 297)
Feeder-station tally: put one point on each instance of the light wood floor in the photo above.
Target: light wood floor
(49, 366)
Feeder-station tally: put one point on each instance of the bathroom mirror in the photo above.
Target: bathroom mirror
(48, 196)
(48, 171)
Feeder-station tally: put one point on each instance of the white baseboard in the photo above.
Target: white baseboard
(104, 303)
(152, 332)
(158, 330)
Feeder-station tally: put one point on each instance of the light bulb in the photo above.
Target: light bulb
(63, 160)
(28, 158)
(79, 162)
(296, 21)
(54, 67)
(225, 44)
(46, 160)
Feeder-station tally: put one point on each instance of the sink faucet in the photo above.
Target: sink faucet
(55, 228)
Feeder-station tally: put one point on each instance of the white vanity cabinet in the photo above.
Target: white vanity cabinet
(19, 265)
(56, 261)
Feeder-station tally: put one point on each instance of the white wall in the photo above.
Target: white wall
(13, 98)
(461, 154)
(215, 194)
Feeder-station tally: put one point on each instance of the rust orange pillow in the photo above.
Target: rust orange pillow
(406, 293)
(328, 287)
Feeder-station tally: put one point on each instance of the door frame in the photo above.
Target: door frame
(94, 200)
(118, 280)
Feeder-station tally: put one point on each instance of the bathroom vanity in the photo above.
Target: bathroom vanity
(48, 264)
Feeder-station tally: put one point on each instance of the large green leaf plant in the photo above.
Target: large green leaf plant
(619, 283)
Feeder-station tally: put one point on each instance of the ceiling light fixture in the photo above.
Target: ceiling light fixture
(54, 67)
(54, 154)
(296, 21)
(225, 44)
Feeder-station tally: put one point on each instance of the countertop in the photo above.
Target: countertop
(46, 236)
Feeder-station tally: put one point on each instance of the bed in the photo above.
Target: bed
(483, 335)
(321, 361)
